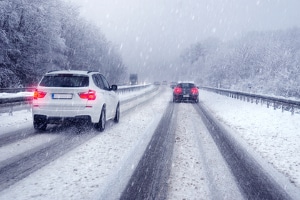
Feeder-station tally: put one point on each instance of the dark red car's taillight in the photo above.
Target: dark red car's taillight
(89, 95)
(177, 90)
(39, 94)
(194, 91)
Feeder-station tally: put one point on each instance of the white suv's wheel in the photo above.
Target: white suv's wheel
(39, 126)
(100, 126)
(117, 114)
(39, 123)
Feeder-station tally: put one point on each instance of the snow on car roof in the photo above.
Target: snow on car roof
(186, 81)
(71, 72)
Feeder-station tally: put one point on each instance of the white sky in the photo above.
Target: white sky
(151, 33)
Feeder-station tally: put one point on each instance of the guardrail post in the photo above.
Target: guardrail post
(29, 108)
(11, 108)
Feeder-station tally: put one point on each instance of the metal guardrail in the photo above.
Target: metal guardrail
(131, 88)
(275, 102)
(9, 103)
(16, 90)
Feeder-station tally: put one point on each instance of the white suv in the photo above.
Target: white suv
(76, 96)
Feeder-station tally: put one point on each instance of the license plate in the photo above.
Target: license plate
(62, 96)
(186, 95)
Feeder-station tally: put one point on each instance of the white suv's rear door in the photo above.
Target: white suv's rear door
(112, 98)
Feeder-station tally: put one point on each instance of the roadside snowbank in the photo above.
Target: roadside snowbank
(274, 134)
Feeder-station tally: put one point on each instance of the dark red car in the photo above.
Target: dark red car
(186, 91)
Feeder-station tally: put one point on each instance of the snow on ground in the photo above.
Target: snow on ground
(187, 162)
(12, 95)
(24, 145)
(273, 134)
(15, 121)
(100, 167)
(198, 169)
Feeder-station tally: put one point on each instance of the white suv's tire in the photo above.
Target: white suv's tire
(100, 126)
(39, 126)
(117, 114)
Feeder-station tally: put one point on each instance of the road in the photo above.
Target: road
(198, 161)
(160, 150)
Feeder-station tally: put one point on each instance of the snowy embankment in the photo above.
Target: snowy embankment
(13, 95)
(273, 134)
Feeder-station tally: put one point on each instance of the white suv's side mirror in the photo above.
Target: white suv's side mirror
(113, 87)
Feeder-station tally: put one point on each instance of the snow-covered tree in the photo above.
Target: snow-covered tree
(38, 35)
(261, 62)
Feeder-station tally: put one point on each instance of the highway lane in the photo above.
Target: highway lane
(182, 162)
(151, 175)
(254, 180)
(58, 140)
(187, 157)
(205, 163)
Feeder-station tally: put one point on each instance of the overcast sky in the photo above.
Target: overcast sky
(152, 33)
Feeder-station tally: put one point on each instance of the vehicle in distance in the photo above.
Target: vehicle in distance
(173, 84)
(75, 96)
(186, 91)
(133, 79)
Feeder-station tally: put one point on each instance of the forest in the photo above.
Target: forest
(259, 62)
(37, 36)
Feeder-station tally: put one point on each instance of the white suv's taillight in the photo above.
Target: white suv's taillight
(39, 94)
(89, 95)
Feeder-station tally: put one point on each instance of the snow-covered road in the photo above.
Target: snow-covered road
(100, 167)
(272, 134)
(198, 170)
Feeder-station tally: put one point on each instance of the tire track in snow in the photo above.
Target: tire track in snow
(198, 169)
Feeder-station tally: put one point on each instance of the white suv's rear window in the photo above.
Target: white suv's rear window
(65, 80)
